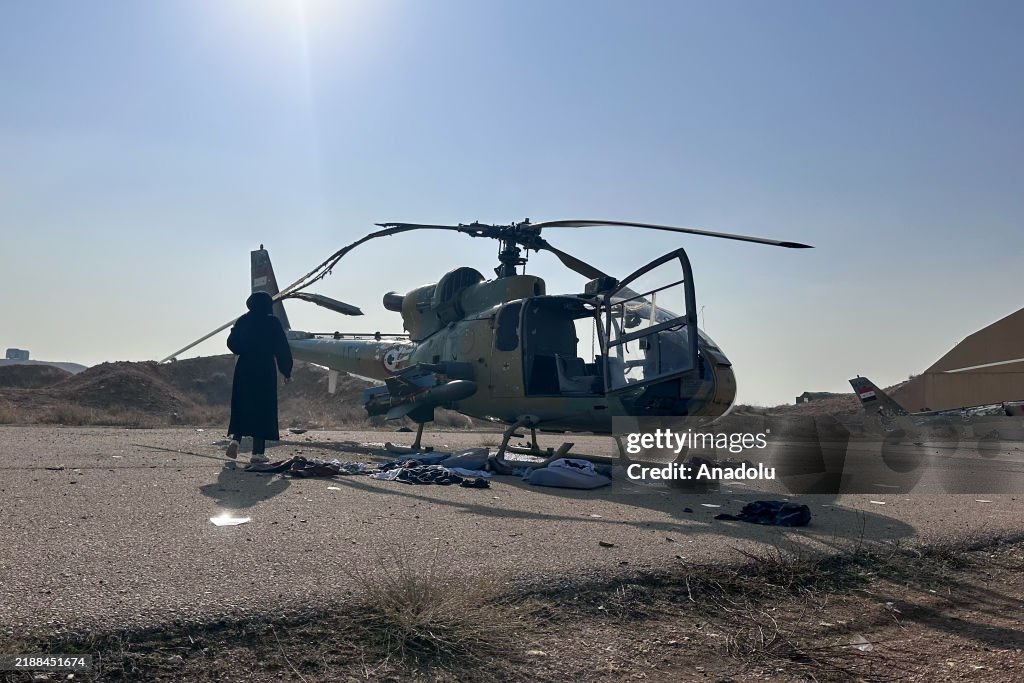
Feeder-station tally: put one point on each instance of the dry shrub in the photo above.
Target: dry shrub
(70, 414)
(11, 414)
(452, 419)
(418, 609)
(205, 416)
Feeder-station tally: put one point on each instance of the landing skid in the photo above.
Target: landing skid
(497, 461)
(416, 447)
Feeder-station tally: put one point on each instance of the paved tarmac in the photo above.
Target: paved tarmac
(110, 527)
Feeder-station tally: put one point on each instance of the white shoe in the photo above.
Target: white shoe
(232, 451)
(259, 457)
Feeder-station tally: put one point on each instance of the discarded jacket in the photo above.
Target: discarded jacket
(469, 459)
(772, 512)
(429, 474)
(298, 466)
(412, 461)
(567, 473)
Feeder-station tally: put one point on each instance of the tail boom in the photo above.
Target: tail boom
(365, 357)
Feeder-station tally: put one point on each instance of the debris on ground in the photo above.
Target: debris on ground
(414, 473)
(299, 466)
(771, 512)
(422, 470)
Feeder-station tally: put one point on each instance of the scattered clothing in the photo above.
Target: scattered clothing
(416, 459)
(420, 474)
(471, 459)
(428, 474)
(772, 512)
(573, 464)
(301, 467)
(424, 469)
(568, 473)
(412, 473)
(463, 472)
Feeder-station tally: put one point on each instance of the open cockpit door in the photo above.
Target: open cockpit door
(644, 340)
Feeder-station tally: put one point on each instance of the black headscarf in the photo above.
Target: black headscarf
(260, 303)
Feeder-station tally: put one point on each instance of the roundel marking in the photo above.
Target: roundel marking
(391, 358)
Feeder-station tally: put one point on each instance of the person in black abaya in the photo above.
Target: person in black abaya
(258, 340)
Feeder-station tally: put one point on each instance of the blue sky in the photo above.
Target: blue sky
(146, 147)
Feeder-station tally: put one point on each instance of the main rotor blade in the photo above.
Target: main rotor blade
(571, 262)
(323, 269)
(199, 341)
(474, 229)
(671, 228)
(326, 302)
(416, 226)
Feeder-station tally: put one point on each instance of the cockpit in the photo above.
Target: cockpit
(561, 347)
(567, 350)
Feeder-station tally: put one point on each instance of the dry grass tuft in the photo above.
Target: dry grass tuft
(417, 609)
(415, 618)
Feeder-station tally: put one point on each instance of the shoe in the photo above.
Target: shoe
(259, 457)
(232, 451)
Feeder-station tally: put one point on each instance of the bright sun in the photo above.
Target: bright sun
(266, 31)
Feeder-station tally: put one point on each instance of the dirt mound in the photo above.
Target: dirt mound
(192, 391)
(206, 380)
(30, 376)
(123, 386)
(843, 404)
(210, 379)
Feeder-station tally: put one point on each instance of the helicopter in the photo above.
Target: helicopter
(505, 350)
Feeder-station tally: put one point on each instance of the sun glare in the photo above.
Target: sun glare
(276, 33)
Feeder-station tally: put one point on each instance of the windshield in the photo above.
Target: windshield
(643, 357)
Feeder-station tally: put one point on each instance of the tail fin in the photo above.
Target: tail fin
(874, 399)
(263, 280)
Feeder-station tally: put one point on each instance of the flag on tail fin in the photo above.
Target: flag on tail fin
(263, 280)
(874, 399)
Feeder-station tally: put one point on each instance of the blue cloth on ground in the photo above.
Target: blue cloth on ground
(568, 474)
(421, 458)
(471, 459)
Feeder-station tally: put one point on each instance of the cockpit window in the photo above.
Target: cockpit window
(646, 342)
(506, 333)
(643, 357)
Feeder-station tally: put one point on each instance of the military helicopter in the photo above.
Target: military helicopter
(505, 350)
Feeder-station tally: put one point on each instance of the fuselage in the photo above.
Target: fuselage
(526, 358)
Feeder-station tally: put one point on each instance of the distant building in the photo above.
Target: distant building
(17, 354)
(809, 396)
(986, 367)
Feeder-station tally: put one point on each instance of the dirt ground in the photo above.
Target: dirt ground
(109, 550)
